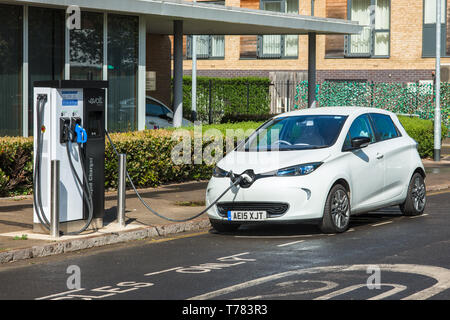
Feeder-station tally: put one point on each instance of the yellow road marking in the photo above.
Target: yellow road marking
(190, 235)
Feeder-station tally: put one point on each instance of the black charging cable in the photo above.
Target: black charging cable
(236, 180)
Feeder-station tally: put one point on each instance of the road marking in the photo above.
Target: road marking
(290, 243)
(422, 215)
(382, 223)
(190, 235)
(280, 237)
(437, 192)
(162, 271)
(396, 289)
(441, 275)
(59, 294)
(329, 285)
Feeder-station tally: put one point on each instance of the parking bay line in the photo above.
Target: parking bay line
(382, 223)
(290, 243)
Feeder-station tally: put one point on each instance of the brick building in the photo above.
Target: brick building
(398, 44)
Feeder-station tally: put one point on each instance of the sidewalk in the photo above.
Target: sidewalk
(176, 201)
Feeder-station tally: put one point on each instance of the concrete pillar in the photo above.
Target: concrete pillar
(177, 73)
(312, 70)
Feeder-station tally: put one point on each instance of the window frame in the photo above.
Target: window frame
(376, 132)
(259, 43)
(433, 27)
(371, 125)
(203, 56)
(373, 32)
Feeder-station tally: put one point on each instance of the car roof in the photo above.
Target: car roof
(344, 111)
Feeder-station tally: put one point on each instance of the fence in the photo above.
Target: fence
(401, 98)
(217, 98)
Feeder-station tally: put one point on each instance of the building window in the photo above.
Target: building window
(46, 46)
(11, 48)
(429, 29)
(123, 40)
(208, 47)
(373, 41)
(86, 48)
(278, 46)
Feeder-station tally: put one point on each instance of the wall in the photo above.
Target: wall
(404, 64)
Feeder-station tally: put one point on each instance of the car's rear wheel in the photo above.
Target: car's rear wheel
(415, 202)
(224, 227)
(336, 215)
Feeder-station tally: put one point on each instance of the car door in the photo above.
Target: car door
(365, 166)
(395, 154)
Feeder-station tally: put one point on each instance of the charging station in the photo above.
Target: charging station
(69, 126)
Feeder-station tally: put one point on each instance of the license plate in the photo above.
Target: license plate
(247, 215)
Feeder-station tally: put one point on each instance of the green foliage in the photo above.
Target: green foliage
(401, 98)
(244, 95)
(149, 152)
(423, 132)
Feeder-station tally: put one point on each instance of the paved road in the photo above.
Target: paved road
(383, 256)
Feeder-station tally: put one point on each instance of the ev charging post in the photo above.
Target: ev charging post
(69, 131)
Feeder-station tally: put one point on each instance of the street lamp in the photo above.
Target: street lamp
(437, 110)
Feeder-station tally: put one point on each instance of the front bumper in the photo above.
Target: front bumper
(304, 196)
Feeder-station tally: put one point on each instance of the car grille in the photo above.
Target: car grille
(274, 209)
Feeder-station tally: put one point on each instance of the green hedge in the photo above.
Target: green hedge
(149, 156)
(243, 95)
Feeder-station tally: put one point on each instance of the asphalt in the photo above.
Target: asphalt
(176, 201)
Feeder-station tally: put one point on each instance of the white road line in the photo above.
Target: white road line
(290, 243)
(59, 294)
(279, 237)
(422, 215)
(441, 275)
(162, 271)
(381, 223)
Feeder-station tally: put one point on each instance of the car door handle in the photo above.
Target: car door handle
(380, 156)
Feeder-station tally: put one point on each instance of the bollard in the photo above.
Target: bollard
(54, 198)
(121, 188)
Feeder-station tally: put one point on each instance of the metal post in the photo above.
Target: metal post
(177, 73)
(194, 77)
(121, 185)
(54, 198)
(311, 70)
(288, 98)
(437, 111)
(210, 103)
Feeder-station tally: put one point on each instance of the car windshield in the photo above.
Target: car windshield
(295, 133)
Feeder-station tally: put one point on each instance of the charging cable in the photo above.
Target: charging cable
(237, 180)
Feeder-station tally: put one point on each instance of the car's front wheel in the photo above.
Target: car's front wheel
(415, 202)
(336, 215)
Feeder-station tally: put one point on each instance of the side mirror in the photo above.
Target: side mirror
(360, 142)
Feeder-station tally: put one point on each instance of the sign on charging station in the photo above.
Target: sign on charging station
(69, 118)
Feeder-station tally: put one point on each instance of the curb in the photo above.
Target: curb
(67, 246)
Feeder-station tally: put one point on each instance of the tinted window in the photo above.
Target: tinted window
(152, 109)
(296, 133)
(360, 128)
(384, 127)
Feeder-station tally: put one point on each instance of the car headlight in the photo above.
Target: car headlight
(300, 170)
(219, 173)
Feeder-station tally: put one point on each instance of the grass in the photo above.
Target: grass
(190, 203)
(23, 237)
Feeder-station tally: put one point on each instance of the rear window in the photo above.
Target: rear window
(384, 127)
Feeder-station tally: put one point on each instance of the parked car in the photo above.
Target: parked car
(321, 165)
(157, 114)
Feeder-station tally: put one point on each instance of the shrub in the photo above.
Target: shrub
(149, 155)
(243, 95)
(423, 132)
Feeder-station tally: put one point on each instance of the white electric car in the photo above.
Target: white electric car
(321, 165)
